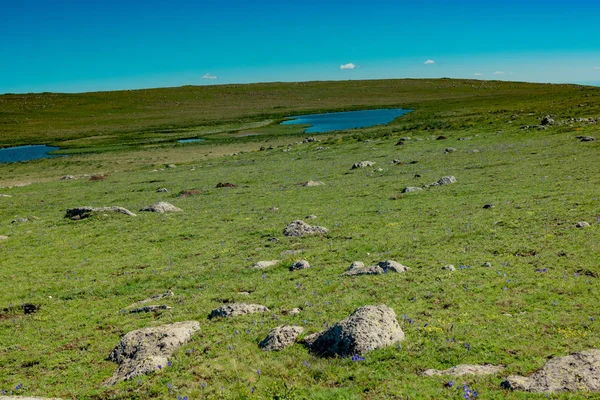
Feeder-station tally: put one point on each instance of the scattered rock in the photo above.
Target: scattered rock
(367, 328)
(576, 372)
(582, 224)
(264, 264)
(446, 180)
(362, 164)
(465, 369)
(274, 209)
(300, 228)
(586, 138)
(312, 183)
(3, 237)
(400, 143)
(310, 216)
(410, 189)
(417, 175)
(392, 266)
(171, 166)
(280, 338)
(358, 268)
(161, 207)
(320, 148)
(449, 267)
(85, 212)
(547, 120)
(302, 264)
(152, 308)
(225, 185)
(487, 264)
(235, 309)
(441, 138)
(162, 190)
(147, 350)
(309, 139)
(450, 150)
(488, 206)
(67, 178)
(20, 220)
(5, 195)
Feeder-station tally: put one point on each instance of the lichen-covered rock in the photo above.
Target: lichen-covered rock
(410, 189)
(235, 309)
(582, 224)
(362, 164)
(392, 266)
(358, 268)
(265, 264)
(465, 369)
(280, 337)
(368, 328)
(449, 267)
(302, 264)
(300, 228)
(446, 180)
(85, 212)
(161, 207)
(576, 372)
(147, 350)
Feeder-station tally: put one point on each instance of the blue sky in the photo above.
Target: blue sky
(75, 46)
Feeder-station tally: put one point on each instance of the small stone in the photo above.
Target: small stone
(161, 207)
(586, 138)
(20, 220)
(547, 120)
(236, 309)
(309, 139)
(417, 175)
(487, 264)
(488, 206)
(449, 267)
(280, 338)
(465, 369)
(310, 217)
(392, 266)
(67, 178)
(410, 189)
(446, 180)
(302, 264)
(320, 148)
(5, 195)
(441, 138)
(362, 164)
(582, 224)
(3, 237)
(450, 150)
(400, 143)
(225, 185)
(293, 312)
(312, 183)
(358, 268)
(162, 190)
(265, 264)
(171, 166)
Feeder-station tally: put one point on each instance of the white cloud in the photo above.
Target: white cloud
(347, 66)
(499, 73)
(428, 62)
(209, 76)
(478, 74)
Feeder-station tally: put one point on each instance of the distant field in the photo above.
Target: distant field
(537, 298)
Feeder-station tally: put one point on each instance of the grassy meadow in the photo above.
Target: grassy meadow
(538, 299)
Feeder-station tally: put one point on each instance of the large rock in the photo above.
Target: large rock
(265, 264)
(85, 212)
(362, 164)
(300, 228)
(410, 189)
(586, 138)
(235, 309)
(147, 350)
(161, 207)
(392, 266)
(302, 264)
(312, 183)
(368, 328)
(358, 268)
(446, 180)
(280, 337)
(465, 369)
(576, 372)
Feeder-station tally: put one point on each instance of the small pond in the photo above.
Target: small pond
(329, 122)
(26, 153)
(190, 141)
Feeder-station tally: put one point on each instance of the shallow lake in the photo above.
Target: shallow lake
(190, 141)
(26, 153)
(346, 120)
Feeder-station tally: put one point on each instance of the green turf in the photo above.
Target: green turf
(82, 274)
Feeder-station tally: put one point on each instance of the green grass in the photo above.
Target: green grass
(83, 273)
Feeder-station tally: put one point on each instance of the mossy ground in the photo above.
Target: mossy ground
(538, 299)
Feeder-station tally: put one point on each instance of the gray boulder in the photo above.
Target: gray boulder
(586, 138)
(582, 224)
(280, 338)
(85, 212)
(392, 266)
(449, 267)
(300, 228)
(576, 372)
(547, 120)
(161, 207)
(362, 164)
(302, 264)
(264, 264)
(67, 178)
(446, 180)
(358, 268)
(147, 350)
(368, 328)
(410, 189)
(450, 150)
(465, 369)
(312, 183)
(236, 309)
(162, 190)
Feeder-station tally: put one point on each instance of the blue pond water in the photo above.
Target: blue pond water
(26, 153)
(346, 120)
(190, 141)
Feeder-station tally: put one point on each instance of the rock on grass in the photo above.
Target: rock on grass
(300, 228)
(161, 207)
(362, 164)
(265, 264)
(235, 309)
(465, 369)
(302, 264)
(367, 328)
(85, 212)
(358, 268)
(280, 338)
(147, 350)
(576, 372)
